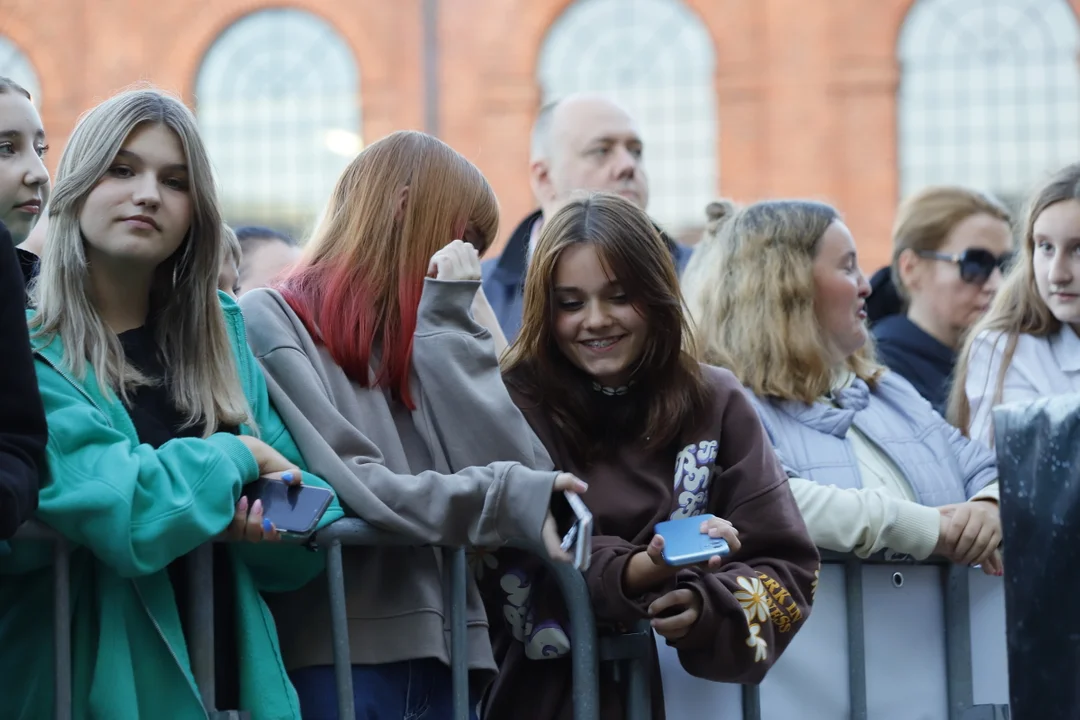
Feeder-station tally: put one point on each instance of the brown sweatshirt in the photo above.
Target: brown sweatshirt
(751, 607)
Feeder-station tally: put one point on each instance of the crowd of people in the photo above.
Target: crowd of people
(160, 361)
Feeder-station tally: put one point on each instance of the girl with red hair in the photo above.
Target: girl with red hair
(392, 391)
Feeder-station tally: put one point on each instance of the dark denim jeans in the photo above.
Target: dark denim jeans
(410, 690)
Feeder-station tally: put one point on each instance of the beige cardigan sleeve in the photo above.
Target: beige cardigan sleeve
(865, 521)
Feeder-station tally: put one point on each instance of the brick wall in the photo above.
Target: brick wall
(805, 90)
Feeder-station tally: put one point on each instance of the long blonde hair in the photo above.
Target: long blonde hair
(750, 290)
(1018, 308)
(201, 371)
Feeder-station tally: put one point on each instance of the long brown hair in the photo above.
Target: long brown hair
(1018, 308)
(750, 288)
(359, 282)
(669, 393)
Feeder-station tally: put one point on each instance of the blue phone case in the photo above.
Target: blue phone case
(685, 544)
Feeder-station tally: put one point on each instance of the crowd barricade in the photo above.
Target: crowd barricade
(974, 662)
(346, 532)
(943, 652)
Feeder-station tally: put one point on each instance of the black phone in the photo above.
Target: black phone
(294, 509)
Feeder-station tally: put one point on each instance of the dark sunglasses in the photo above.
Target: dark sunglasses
(976, 264)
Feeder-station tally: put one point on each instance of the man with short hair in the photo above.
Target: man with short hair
(580, 143)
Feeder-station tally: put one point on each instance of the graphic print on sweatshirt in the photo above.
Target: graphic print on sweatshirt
(542, 641)
(694, 467)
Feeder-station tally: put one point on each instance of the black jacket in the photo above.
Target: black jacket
(23, 432)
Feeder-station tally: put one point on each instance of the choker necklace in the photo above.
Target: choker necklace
(612, 391)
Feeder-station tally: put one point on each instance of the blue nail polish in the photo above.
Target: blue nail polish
(287, 477)
(267, 525)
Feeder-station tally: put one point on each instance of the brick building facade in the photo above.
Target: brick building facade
(804, 98)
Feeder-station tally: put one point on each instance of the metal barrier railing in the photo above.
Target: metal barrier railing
(630, 653)
(346, 532)
(957, 626)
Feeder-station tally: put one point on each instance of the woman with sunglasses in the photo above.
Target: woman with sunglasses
(1026, 347)
(950, 245)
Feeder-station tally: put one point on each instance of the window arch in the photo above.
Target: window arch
(278, 100)
(989, 94)
(657, 59)
(16, 65)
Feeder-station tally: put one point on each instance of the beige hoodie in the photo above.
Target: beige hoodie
(454, 471)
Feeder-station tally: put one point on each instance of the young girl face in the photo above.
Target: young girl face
(596, 327)
(139, 211)
(1056, 261)
(22, 173)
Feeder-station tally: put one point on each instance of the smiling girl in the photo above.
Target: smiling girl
(606, 373)
(1028, 346)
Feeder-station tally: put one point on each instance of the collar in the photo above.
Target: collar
(511, 264)
(899, 331)
(612, 391)
(1065, 345)
(849, 396)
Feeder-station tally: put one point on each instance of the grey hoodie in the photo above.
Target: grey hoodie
(456, 470)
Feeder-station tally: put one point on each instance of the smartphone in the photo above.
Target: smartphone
(685, 544)
(294, 509)
(579, 537)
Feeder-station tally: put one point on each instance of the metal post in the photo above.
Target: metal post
(751, 702)
(583, 644)
(200, 567)
(61, 628)
(431, 66)
(339, 621)
(638, 678)
(454, 558)
(856, 631)
(958, 640)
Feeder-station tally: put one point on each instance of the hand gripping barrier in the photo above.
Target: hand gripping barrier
(344, 532)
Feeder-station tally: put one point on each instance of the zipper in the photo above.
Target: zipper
(82, 391)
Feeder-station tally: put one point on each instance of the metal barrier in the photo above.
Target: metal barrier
(630, 653)
(958, 648)
(954, 580)
(346, 532)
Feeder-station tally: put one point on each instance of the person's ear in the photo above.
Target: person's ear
(911, 269)
(540, 180)
(401, 202)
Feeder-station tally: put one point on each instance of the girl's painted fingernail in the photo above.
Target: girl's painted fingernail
(243, 504)
(288, 476)
(257, 507)
(268, 527)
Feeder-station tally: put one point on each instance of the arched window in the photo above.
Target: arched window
(278, 100)
(989, 94)
(656, 58)
(14, 64)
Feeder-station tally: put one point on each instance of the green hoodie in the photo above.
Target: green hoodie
(127, 511)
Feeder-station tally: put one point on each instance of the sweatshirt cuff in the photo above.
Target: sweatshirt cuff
(915, 531)
(992, 491)
(238, 455)
(446, 305)
(524, 502)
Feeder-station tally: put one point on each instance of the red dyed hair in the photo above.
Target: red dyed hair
(358, 286)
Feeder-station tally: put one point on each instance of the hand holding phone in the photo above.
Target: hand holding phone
(697, 539)
(290, 509)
